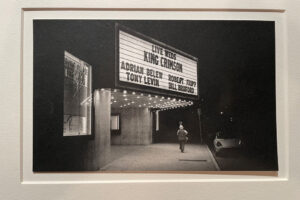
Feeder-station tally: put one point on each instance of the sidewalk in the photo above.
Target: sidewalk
(161, 157)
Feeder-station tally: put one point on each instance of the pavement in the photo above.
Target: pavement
(161, 157)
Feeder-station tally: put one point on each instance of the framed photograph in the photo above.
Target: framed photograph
(180, 113)
(153, 101)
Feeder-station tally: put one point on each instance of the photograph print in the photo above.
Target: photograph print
(154, 96)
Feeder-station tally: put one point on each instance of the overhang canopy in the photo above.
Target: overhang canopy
(132, 99)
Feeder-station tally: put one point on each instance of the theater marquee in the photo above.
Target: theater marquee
(143, 61)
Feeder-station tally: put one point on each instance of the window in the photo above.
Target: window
(77, 96)
(157, 120)
(115, 124)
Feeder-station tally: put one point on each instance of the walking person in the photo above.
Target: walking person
(182, 137)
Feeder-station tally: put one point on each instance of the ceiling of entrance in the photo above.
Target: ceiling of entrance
(126, 99)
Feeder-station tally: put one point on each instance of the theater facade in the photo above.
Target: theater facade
(100, 84)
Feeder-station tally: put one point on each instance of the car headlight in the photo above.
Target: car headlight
(219, 144)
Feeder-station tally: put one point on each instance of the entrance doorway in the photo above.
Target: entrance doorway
(169, 124)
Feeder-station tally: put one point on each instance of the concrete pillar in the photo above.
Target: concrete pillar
(102, 106)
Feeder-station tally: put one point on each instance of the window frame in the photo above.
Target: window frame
(119, 131)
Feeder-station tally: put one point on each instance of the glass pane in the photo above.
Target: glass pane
(157, 120)
(77, 96)
(114, 122)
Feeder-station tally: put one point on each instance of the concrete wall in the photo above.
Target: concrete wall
(102, 126)
(136, 127)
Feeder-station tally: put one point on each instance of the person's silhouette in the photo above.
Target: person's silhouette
(182, 137)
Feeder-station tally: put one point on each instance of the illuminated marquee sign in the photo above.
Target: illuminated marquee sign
(153, 64)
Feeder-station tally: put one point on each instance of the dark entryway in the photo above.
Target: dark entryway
(169, 124)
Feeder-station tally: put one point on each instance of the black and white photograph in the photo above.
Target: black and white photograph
(179, 96)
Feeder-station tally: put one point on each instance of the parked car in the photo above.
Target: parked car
(224, 141)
